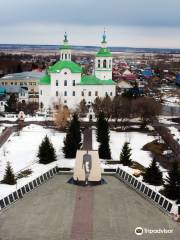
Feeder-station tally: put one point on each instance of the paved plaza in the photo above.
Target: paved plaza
(61, 211)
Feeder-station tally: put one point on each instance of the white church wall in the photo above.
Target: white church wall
(103, 73)
(45, 96)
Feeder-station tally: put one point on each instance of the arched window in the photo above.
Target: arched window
(89, 93)
(56, 93)
(109, 63)
(41, 92)
(73, 93)
(96, 93)
(65, 82)
(104, 63)
(57, 83)
(65, 93)
(74, 82)
(82, 94)
(99, 63)
(65, 56)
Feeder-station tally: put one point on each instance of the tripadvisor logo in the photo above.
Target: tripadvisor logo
(139, 231)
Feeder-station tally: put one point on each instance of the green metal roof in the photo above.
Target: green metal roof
(73, 67)
(64, 47)
(93, 80)
(104, 52)
(45, 80)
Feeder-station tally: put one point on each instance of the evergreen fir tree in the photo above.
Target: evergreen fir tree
(172, 183)
(153, 175)
(102, 127)
(75, 130)
(102, 136)
(104, 150)
(9, 177)
(11, 103)
(72, 141)
(70, 146)
(46, 153)
(125, 156)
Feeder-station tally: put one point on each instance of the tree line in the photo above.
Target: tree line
(122, 108)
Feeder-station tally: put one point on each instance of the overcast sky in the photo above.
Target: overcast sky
(133, 23)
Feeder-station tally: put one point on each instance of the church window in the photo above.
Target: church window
(82, 94)
(74, 82)
(41, 92)
(104, 63)
(89, 93)
(65, 93)
(96, 93)
(109, 63)
(56, 93)
(99, 63)
(65, 73)
(65, 56)
(65, 82)
(65, 101)
(111, 94)
(56, 82)
(73, 93)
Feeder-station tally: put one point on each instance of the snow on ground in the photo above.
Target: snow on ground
(166, 120)
(2, 129)
(175, 132)
(21, 151)
(28, 118)
(137, 141)
(172, 101)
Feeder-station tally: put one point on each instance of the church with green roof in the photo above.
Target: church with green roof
(64, 82)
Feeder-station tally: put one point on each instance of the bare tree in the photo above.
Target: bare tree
(61, 117)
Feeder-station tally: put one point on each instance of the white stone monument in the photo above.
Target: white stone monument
(87, 168)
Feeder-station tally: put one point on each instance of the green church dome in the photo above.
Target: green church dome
(104, 52)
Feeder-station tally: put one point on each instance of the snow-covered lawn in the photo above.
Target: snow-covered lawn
(137, 141)
(21, 151)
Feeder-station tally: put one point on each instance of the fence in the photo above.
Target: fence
(19, 193)
(147, 192)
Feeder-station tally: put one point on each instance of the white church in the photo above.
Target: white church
(64, 82)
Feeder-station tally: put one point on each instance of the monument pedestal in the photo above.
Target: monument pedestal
(87, 170)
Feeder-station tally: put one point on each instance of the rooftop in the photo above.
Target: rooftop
(72, 66)
(45, 80)
(104, 52)
(23, 76)
(93, 80)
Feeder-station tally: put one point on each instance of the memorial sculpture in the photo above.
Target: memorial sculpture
(87, 170)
